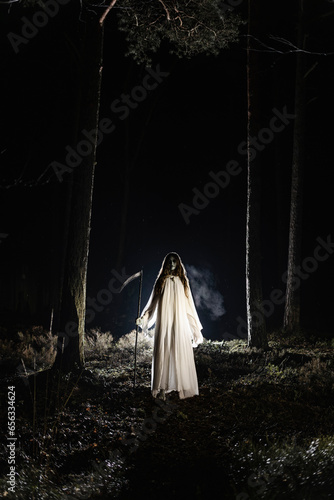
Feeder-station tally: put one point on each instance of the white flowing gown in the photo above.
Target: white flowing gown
(177, 331)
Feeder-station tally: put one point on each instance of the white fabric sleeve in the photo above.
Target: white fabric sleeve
(149, 312)
(194, 321)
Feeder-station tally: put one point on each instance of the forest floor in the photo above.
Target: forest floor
(261, 427)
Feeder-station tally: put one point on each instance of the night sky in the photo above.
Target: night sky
(197, 126)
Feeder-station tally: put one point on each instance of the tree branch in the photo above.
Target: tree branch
(167, 12)
(291, 47)
(106, 12)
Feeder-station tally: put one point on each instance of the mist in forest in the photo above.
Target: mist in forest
(205, 292)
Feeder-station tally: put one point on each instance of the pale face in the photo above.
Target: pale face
(171, 263)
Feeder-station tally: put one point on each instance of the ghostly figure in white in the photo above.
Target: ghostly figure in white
(177, 330)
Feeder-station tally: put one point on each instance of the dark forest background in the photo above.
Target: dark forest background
(76, 397)
(191, 124)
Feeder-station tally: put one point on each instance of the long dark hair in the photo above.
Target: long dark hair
(165, 271)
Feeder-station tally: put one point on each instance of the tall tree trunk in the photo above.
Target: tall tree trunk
(257, 336)
(73, 302)
(292, 303)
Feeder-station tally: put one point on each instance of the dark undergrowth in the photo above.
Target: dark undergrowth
(261, 428)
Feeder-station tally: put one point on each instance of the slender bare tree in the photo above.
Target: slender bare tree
(292, 303)
(257, 336)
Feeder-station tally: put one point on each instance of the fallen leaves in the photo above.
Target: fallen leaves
(249, 403)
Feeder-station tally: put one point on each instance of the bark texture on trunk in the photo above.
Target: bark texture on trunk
(257, 336)
(71, 331)
(292, 302)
